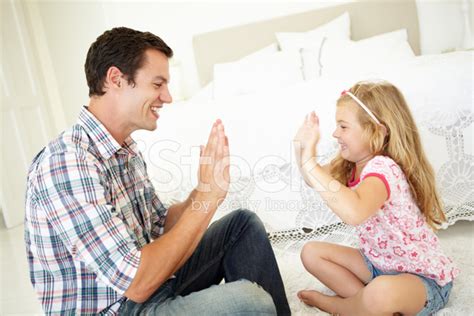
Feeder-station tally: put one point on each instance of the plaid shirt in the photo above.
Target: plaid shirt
(90, 208)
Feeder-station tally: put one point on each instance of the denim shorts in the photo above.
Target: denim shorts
(436, 296)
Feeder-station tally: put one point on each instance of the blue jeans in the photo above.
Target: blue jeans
(235, 248)
(436, 295)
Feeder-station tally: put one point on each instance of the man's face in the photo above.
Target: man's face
(143, 101)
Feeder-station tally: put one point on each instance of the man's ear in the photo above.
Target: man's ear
(113, 79)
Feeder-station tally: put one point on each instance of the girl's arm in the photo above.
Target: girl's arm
(352, 206)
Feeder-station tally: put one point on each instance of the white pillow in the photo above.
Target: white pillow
(311, 62)
(338, 57)
(340, 27)
(261, 54)
(255, 75)
(207, 92)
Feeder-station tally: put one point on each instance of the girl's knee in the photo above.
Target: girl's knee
(311, 251)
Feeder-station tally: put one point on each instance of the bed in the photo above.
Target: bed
(262, 78)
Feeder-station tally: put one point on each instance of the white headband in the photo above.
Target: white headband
(366, 109)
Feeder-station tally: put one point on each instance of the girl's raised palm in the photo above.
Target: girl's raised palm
(306, 139)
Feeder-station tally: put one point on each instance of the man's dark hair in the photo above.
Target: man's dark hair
(123, 48)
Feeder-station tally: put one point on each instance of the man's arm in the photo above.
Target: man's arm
(176, 210)
(69, 191)
(160, 259)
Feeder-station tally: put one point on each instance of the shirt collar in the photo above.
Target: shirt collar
(103, 140)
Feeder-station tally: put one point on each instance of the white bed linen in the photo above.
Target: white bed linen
(339, 27)
(339, 57)
(260, 127)
(248, 76)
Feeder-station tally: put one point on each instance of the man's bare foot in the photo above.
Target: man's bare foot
(313, 298)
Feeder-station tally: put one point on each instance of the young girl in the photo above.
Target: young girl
(382, 183)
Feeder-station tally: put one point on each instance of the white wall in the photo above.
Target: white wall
(178, 23)
(441, 25)
(71, 27)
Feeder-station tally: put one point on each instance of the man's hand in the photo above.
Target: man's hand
(305, 143)
(213, 171)
(185, 232)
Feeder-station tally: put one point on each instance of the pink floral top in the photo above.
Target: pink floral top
(397, 237)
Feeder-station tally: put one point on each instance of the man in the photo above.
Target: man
(97, 236)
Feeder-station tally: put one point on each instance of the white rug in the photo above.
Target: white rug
(457, 242)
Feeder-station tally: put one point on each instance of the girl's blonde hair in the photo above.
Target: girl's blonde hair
(401, 142)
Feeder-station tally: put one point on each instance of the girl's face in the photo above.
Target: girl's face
(349, 133)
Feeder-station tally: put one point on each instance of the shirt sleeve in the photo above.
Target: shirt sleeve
(71, 191)
(385, 169)
(158, 210)
(159, 213)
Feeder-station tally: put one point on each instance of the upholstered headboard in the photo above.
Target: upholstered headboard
(368, 18)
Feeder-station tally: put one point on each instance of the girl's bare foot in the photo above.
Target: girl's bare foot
(314, 298)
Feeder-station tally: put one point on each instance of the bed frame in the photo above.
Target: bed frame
(368, 18)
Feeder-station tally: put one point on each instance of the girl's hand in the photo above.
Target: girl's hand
(305, 142)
